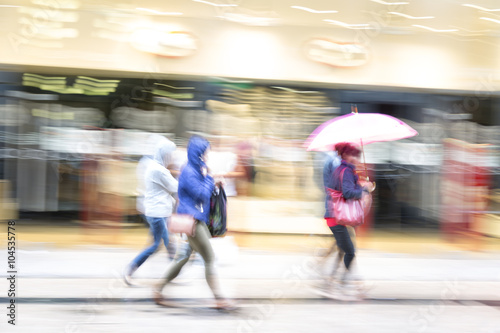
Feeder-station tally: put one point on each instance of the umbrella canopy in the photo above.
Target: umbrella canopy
(362, 128)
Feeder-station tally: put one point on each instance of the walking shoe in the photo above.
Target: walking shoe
(325, 292)
(225, 304)
(364, 287)
(353, 291)
(351, 297)
(159, 299)
(329, 290)
(127, 277)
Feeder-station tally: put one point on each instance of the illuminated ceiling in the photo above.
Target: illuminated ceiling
(469, 18)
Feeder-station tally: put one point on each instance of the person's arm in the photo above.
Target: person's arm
(175, 173)
(167, 181)
(231, 174)
(350, 189)
(176, 203)
(234, 167)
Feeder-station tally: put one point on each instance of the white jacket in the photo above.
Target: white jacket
(160, 186)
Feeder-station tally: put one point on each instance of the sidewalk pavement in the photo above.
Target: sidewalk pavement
(70, 280)
(84, 273)
(68, 262)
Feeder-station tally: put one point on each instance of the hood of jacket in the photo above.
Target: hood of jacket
(151, 143)
(163, 151)
(196, 148)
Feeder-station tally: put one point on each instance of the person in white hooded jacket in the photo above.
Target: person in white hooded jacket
(158, 202)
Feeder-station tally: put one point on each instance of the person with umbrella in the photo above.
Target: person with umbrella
(344, 179)
(344, 133)
(330, 161)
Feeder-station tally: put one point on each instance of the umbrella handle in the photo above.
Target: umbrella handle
(364, 160)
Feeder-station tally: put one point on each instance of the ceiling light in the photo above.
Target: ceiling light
(57, 33)
(390, 3)
(489, 19)
(56, 15)
(112, 35)
(350, 26)
(481, 8)
(48, 24)
(157, 12)
(434, 30)
(174, 44)
(412, 17)
(45, 43)
(216, 4)
(315, 11)
(67, 4)
(471, 33)
(249, 20)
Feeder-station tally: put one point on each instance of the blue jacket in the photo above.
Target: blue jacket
(195, 189)
(331, 163)
(350, 187)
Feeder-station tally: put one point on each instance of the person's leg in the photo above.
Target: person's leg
(331, 249)
(181, 258)
(344, 242)
(338, 260)
(171, 247)
(201, 244)
(158, 229)
(352, 233)
(169, 241)
(324, 258)
(338, 256)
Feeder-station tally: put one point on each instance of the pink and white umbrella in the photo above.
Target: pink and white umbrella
(361, 128)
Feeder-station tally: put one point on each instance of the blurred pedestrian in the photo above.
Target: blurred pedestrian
(329, 162)
(244, 150)
(142, 166)
(351, 189)
(195, 189)
(157, 200)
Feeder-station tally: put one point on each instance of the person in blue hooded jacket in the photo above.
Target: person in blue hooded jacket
(195, 189)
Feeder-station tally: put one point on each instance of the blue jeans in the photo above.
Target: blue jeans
(158, 229)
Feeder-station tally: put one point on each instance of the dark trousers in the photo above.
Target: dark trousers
(201, 244)
(344, 242)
